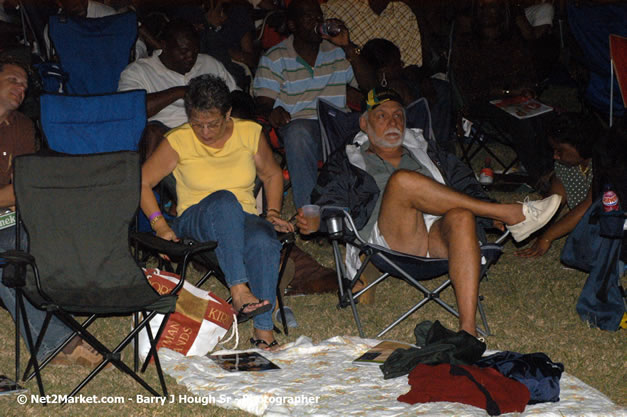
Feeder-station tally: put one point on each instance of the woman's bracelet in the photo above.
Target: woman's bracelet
(155, 220)
(154, 216)
(266, 213)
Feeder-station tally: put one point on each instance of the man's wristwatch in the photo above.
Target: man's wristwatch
(352, 47)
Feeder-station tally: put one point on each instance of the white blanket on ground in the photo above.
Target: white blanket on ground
(320, 380)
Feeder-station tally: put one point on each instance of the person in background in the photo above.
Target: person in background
(293, 75)
(165, 76)
(573, 138)
(227, 34)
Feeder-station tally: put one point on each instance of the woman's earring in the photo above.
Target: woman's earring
(384, 82)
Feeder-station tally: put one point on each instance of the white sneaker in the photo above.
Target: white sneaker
(537, 214)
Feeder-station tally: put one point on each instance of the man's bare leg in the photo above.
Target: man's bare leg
(407, 191)
(454, 237)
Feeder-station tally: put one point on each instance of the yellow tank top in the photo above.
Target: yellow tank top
(203, 170)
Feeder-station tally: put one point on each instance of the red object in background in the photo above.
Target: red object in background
(610, 201)
(618, 55)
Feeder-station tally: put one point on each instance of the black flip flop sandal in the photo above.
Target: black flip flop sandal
(258, 342)
(243, 317)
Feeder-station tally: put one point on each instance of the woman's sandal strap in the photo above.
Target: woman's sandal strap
(257, 342)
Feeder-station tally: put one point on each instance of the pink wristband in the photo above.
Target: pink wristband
(154, 215)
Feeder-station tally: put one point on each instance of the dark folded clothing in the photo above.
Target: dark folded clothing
(437, 345)
(536, 370)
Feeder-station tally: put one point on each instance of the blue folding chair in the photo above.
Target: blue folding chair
(93, 52)
(93, 124)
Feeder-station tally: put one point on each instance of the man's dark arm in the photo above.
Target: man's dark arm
(363, 72)
(155, 102)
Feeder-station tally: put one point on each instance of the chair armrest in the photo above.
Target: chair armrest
(180, 249)
(17, 257)
(332, 220)
(14, 264)
(286, 238)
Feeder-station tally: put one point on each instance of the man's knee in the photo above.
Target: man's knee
(300, 134)
(403, 180)
(459, 220)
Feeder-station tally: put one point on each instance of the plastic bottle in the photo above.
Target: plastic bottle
(329, 28)
(610, 199)
(486, 175)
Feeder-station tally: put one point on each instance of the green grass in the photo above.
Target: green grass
(530, 306)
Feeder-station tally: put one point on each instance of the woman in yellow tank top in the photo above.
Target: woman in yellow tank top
(215, 159)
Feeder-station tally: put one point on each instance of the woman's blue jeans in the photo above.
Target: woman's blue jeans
(248, 250)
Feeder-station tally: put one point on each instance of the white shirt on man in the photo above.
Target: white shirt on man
(151, 75)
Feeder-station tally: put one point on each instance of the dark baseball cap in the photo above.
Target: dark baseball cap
(380, 95)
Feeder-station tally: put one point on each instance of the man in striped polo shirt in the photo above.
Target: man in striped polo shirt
(290, 79)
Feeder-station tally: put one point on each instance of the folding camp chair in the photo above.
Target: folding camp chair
(339, 129)
(411, 269)
(93, 52)
(77, 211)
(478, 134)
(209, 260)
(93, 124)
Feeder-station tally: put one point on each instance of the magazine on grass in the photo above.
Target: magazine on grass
(243, 361)
(378, 354)
(8, 386)
(522, 107)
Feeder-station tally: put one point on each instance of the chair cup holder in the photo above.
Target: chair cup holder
(335, 226)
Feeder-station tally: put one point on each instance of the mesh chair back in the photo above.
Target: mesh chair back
(93, 52)
(77, 211)
(94, 124)
(337, 127)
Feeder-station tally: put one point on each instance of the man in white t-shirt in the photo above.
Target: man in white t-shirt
(165, 75)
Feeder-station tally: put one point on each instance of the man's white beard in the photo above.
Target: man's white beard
(381, 141)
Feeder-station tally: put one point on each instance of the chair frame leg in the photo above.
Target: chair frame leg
(287, 250)
(19, 300)
(428, 295)
(112, 356)
(58, 349)
(341, 279)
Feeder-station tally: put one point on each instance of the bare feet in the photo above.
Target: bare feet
(241, 296)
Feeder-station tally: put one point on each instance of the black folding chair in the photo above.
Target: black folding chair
(77, 211)
(409, 268)
(209, 260)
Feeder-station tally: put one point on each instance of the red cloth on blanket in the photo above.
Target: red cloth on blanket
(432, 383)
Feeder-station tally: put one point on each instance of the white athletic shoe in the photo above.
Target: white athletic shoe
(537, 214)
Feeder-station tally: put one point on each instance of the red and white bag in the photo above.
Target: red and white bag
(200, 321)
